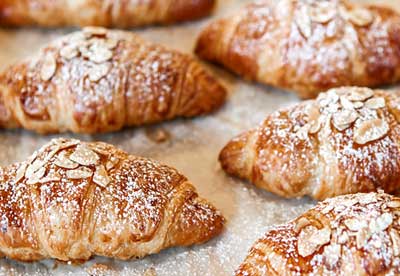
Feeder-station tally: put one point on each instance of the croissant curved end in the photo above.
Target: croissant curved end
(197, 222)
(209, 41)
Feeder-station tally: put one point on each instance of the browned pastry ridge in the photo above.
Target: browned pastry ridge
(71, 200)
(98, 80)
(355, 234)
(307, 46)
(105, 13)
(345, 141)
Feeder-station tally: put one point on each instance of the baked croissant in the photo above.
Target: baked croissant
(72, 200)
(307, 46)
(355, 234)
(98, 80)
(346, 141)
(110, 13)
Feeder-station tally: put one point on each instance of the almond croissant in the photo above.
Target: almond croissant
(348, 235)
(98, 80)
(345, 141)
(72, 200)
(307, 46)
(106, 13)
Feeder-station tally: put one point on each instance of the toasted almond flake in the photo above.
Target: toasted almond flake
(35, 177)
(301, 223)
(94, 31)
(111, 43)
(360, 17)
(395, 237)
(68, 144)
(384, 221)
(332, 254)
(84, 156)
(99, 54)
(358, 105)
(329, 98)
(98, 71)
(315, 126)
(370, 130)
(49, 67)
(20, 173)
(79, 173)
(101, 177)
(302, 133)
(362, 238)
(327, 209)
(346, 103)
(69, 51)
(34, 167)
(343, 238)
(311, 238)
(303, 21)
(322, 12)
(99, 150)
(63, 161)
(48, 179)
(393, 204)
(360, 94)
(343, 119)
(375, 103)
(352, 224)
(111, 163)
(277, 262)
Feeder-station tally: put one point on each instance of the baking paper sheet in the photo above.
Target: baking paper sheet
(192, 147)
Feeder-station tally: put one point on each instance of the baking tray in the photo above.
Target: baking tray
(192, 146)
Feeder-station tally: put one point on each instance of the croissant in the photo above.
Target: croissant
(346, 141)
(71, 200)
(355, 234)
(98, 80)
(111, 13)
(307, 46)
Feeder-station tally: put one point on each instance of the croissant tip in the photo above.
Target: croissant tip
(208, 40)
(183, 10)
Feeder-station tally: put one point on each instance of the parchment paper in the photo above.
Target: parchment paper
(192, 147)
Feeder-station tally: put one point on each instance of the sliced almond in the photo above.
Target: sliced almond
(64, 162)
(395, 237)
(332, 254)
(69, 52)
(322, 12)
(362, 238)
(343, 119)
(393, 204)
(358, 105)
(20, 173)
(375, 103)
(84, 156)
(98, 71)
(111, 43)
(100, 54)
(34, 167)
(111, 163)
(49, 67)
(303, 21)
(79, 173)
(384, 221)
(94, 31)
(35, 177)
(360, 94)
(352, 224)
(360, 17)
(48, 179)
(346, 104)
(311, 238)
(101, 177)
(301, 223)
(370, 130)
(302, 133)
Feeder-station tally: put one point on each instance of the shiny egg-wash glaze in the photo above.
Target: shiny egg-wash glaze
(71, 200)
(307, 46)
(105, 13)
(346, 141)
(98, 80)
(348, 235)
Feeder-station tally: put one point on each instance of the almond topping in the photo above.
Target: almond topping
(395, 241)
(303, 22)
(310, 240)
(375, 103)
(99, 71)
(343, 119)
(370, 130)
(20, 173)
(101, 177)
(69, 52)
(84, 156)
(360, 17)
(360, 94)
(322, 12)
(35, 177)
(63, 161)
(79, 173)
(49, 67)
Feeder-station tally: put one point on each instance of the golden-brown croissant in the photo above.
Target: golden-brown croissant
(307, 46)
(72, 200)
(355, 234)
(345, 141)
(99, 80)
(106, 13)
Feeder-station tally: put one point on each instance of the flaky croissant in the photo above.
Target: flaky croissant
(98, 80)
(345, 141)
(307, 46)
(348, 235)
(72, 200)
(106, 13)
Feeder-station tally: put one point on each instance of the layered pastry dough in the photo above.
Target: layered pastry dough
(345, 141)
(348, 235)
(307, 46)
(106, 13)
(98, 80)
(71, 200)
